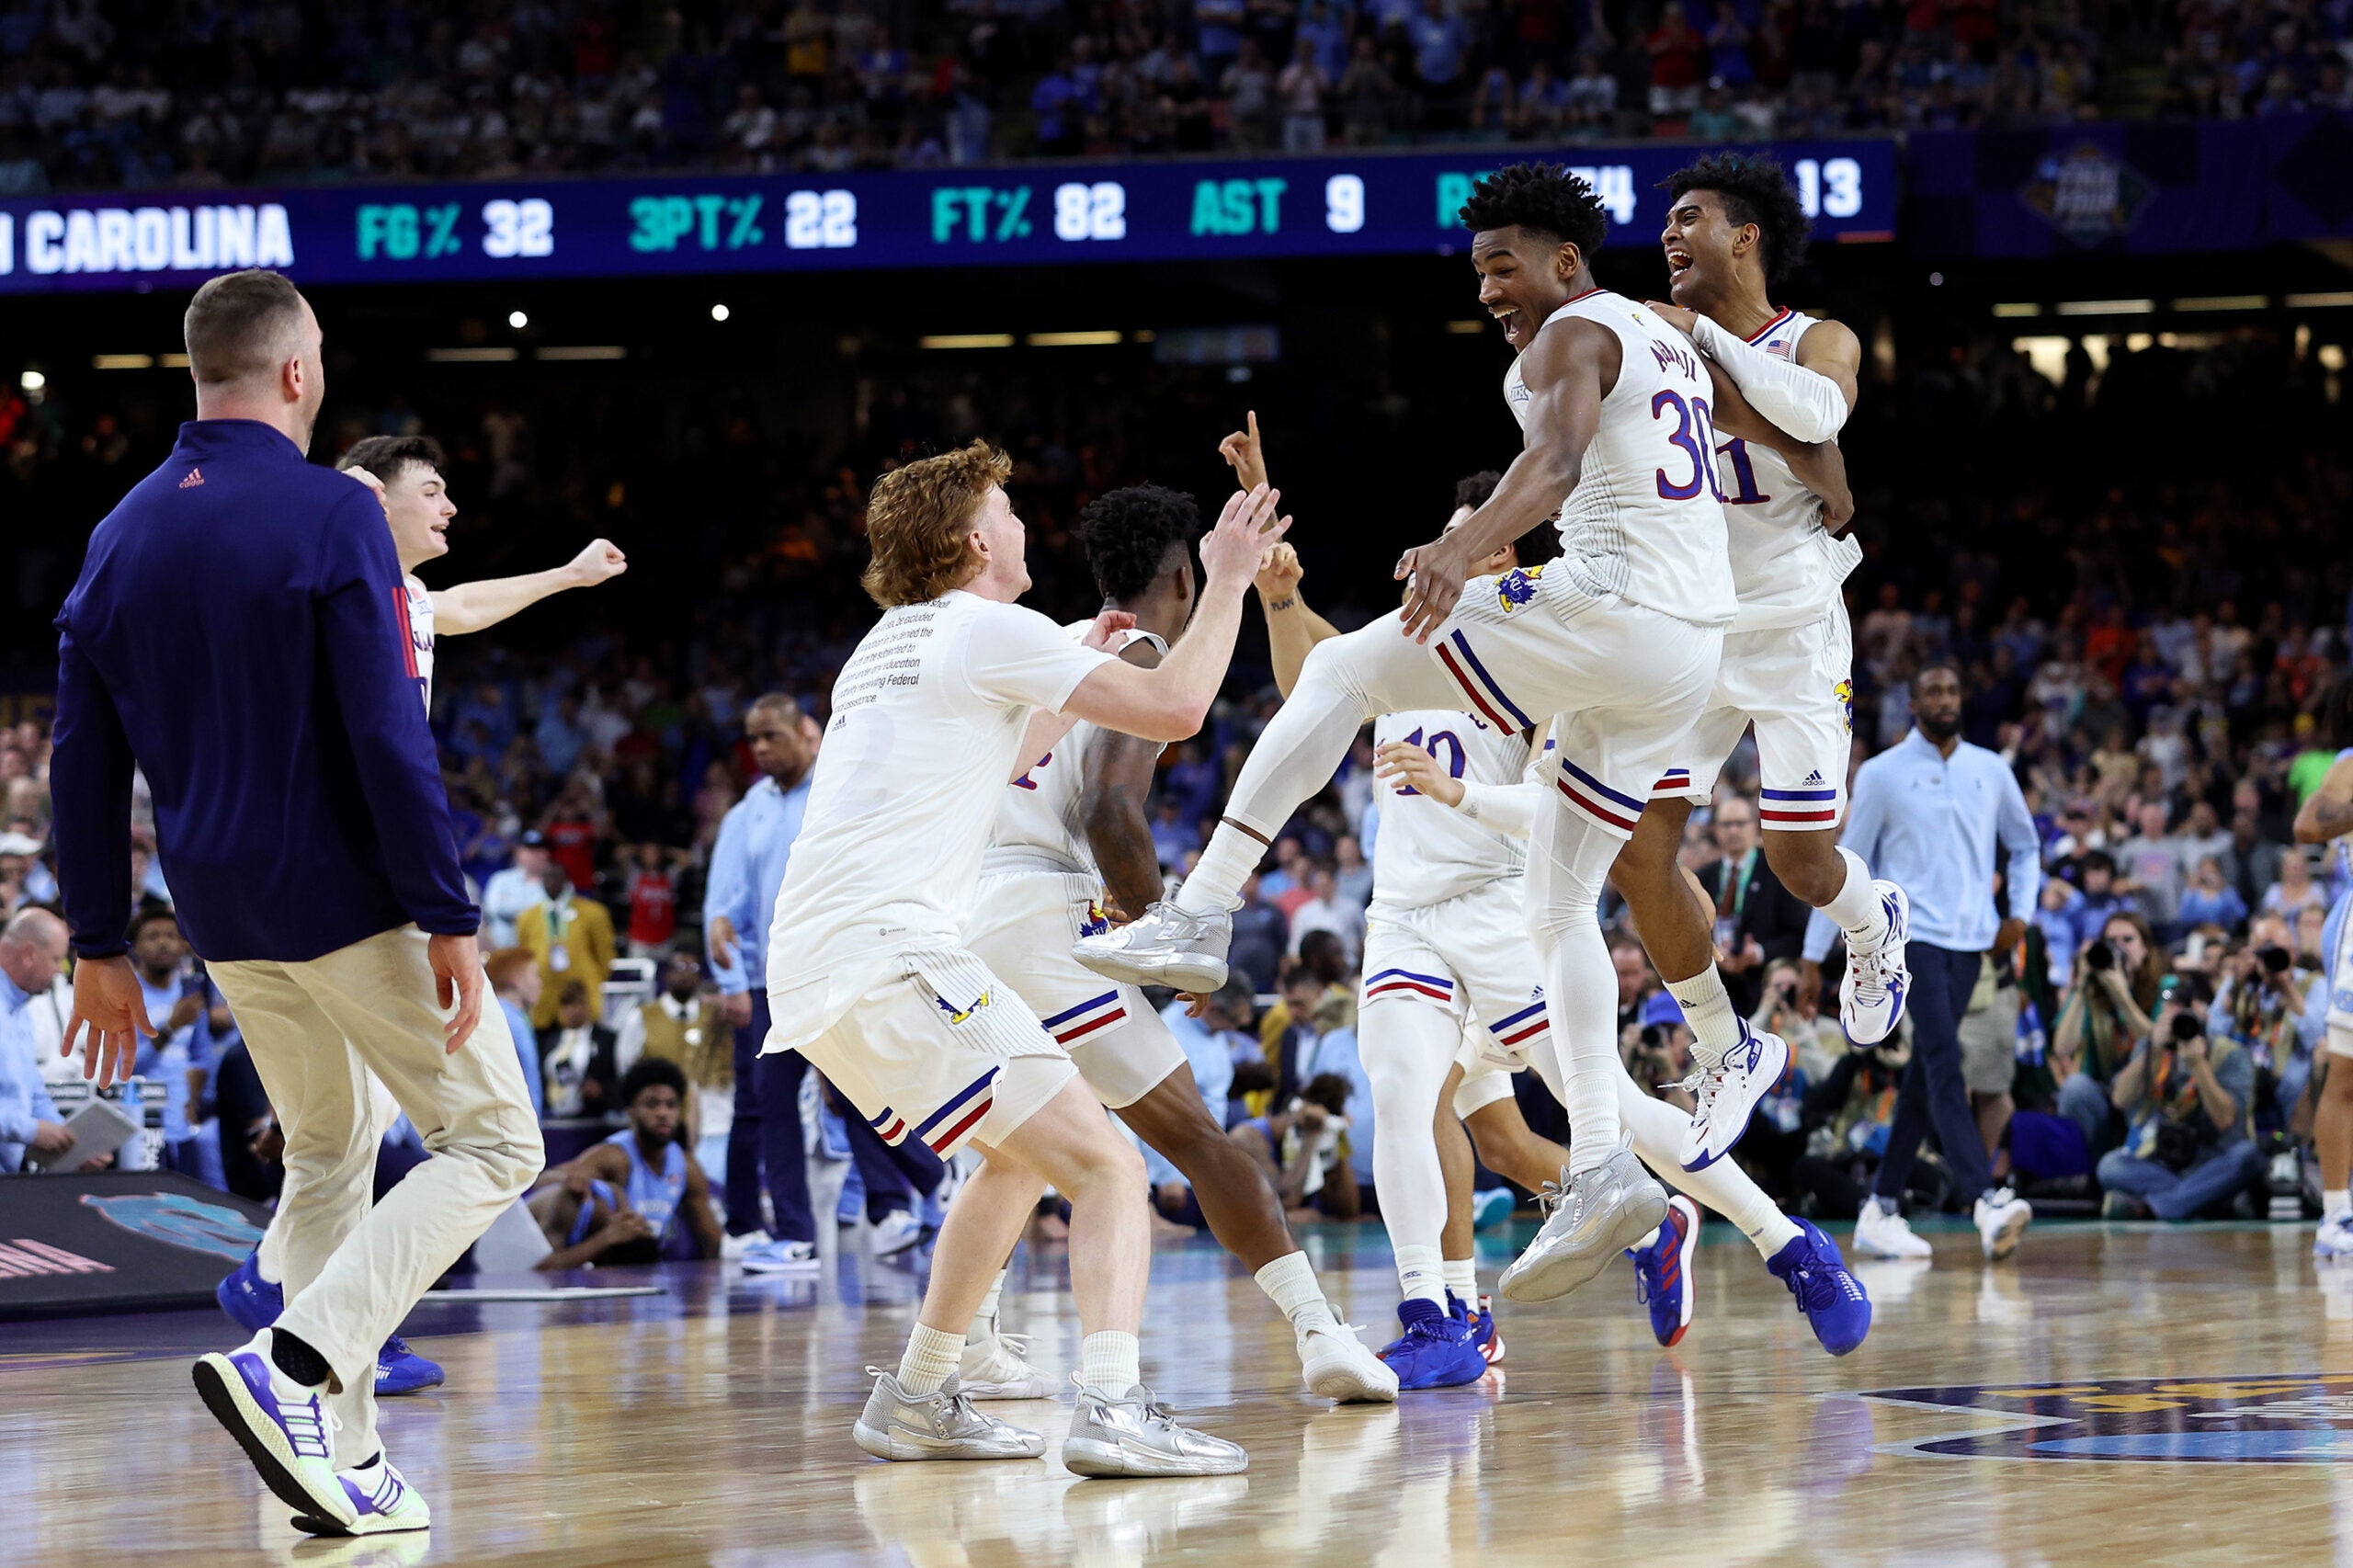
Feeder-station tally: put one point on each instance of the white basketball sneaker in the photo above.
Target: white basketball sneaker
(2334, 1240)
(1878, 981)
(997, 1366)
(1728, 1096)
(384, 1502)
(2002, 1217)
(1881, 1230)
(1338, 1365)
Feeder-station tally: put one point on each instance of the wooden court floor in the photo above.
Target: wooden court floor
(2120, 1394)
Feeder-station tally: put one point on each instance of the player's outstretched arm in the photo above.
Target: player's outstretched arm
(1809, 396)
(470, 606)
(1169, 704)
(2329, 813)
(1568, 369)
(1508, 809)
(1820, 466)
(1292, 629)
(1119, 771)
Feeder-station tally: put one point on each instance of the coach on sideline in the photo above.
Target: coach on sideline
(1929, 815)
(239, 633)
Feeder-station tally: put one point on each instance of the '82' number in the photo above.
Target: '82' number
(1098, 212)
(1695, 432)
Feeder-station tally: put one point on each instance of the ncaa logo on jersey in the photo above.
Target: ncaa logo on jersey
(956, 1016)
(1845, 693)
(1096, 922)
(1517, 587)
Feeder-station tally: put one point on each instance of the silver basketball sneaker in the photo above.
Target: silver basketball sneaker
(896, 1424)
(1136, 1434)
(1593, 1218)
(1166, 947)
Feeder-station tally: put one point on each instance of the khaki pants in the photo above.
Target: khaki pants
(316, 1030)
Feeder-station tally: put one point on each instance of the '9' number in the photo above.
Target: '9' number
(1098, 212)
(517, 228)
(1344, 204)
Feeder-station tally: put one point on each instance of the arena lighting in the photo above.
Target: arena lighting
(2320, 302)
(2224, 303)
(1073, 339)
(122, 362)
(172, 361)
(2026, 308)
(719, 312)
(32, 381)
(2107, 307)
(471, 356)
(966, 340)
(1466, 328)
(517, 320)
(581, 351)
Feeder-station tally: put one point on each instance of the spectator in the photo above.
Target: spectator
(2210, 900)
(682, 1024)
(2106, 1010)
(1352, 873)
(1211, 1042)
(571, 936)
(1326, 910)
(1248, 86)
(1366, 91)
(1591, 100)
(515, 980)
(175, 999)
(1302, 1149)
(578, 1060)
(1302, 87)
(2071, 918)
(1679, 57)
(1440, 43)
(2295, 891)
(518, 887)
(651, 888)
(2274, 1009)
(32, 949)
(642, 1173)
(1261, 938)
(2189, 1100)
(1757, 919)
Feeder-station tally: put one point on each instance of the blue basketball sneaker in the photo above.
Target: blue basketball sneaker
(1482, 1324)
(1490, 1208)
(1663, 1271)
(254, 1304)
(1436, 1351)
(1832, 1300)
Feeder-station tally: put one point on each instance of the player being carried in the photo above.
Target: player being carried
(1619, 638)
(405, 473)
(1071, 827)
(1452, 1008)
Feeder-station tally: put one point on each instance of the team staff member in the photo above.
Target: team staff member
(1928, 815)
(239, 633)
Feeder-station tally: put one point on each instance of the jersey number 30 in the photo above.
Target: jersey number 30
(1695, 432)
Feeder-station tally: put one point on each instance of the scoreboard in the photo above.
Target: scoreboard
(1026, 214)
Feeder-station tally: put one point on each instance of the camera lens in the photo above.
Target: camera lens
(2185, 1026)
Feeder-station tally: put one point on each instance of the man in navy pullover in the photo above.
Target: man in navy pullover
(239, 633)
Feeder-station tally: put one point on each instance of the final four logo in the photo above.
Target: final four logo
(1845, 692)
(2295, 1418)
(1517, 587)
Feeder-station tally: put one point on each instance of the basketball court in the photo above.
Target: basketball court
(2120, 1394)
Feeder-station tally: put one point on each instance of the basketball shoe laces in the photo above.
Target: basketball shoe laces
(1815, 1289)
(1556, 1196)
(1870, 977)
(1016, 1346)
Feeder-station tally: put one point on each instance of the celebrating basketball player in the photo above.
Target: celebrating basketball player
(1071, 826)
(952, 694)
(1619, 638)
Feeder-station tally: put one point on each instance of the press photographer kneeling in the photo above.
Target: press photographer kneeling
(2188, 1102)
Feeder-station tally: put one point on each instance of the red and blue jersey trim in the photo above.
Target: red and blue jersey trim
(959, 1115)
(1797, 805)
(1406, 983)
(1486, 694)
(1597, 800)
(890, 1124)
(1522, 1026)
(1674, 781)
(1079, 1022)
(1771, 326)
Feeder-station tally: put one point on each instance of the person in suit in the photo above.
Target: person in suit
(579, 1058)
(572, 936)
(1757, 919)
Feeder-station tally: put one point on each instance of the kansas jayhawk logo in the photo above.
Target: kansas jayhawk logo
(2294, 1418)
(1845, 692)
(1096, 922)
(960, 1014)
(1516, 586)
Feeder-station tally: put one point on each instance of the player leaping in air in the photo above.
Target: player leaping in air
(405, 473)
(1619, 640)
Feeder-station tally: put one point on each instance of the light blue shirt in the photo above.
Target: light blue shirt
(1337, 1052)
(748, 866)
(1930, 825)
(163, 1058)
(24, 1098)
(527, 1047)
(505, 897)
(1210, 1055)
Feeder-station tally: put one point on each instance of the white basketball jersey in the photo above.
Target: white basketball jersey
(1647, 521)
(420, 636)
(1037, 826)
(1426, 853)
(1785, 564)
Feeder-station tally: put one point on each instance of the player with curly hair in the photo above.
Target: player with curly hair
(1617, 641)
(1072, 824)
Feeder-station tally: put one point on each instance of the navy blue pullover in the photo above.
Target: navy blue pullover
(240, 633)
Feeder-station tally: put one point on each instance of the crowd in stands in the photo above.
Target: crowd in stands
(2159, 658)
(102, 92)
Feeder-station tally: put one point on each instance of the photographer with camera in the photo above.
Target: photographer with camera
(2107, 1009)
(2273, 1009)
(2191, 1147)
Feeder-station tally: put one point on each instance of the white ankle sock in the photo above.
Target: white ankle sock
(1215, 885)
(1421, 1272)
(1290, 1283)
(1857, 907)
(2332, 1204)
(1707, 1008)
(1462, 1278)
(984, 1321)
(1110, 1362)
(1774, 1231)
(930, 1360)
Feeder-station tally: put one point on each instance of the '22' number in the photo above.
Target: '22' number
(1695, 432)
(1447, 740)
